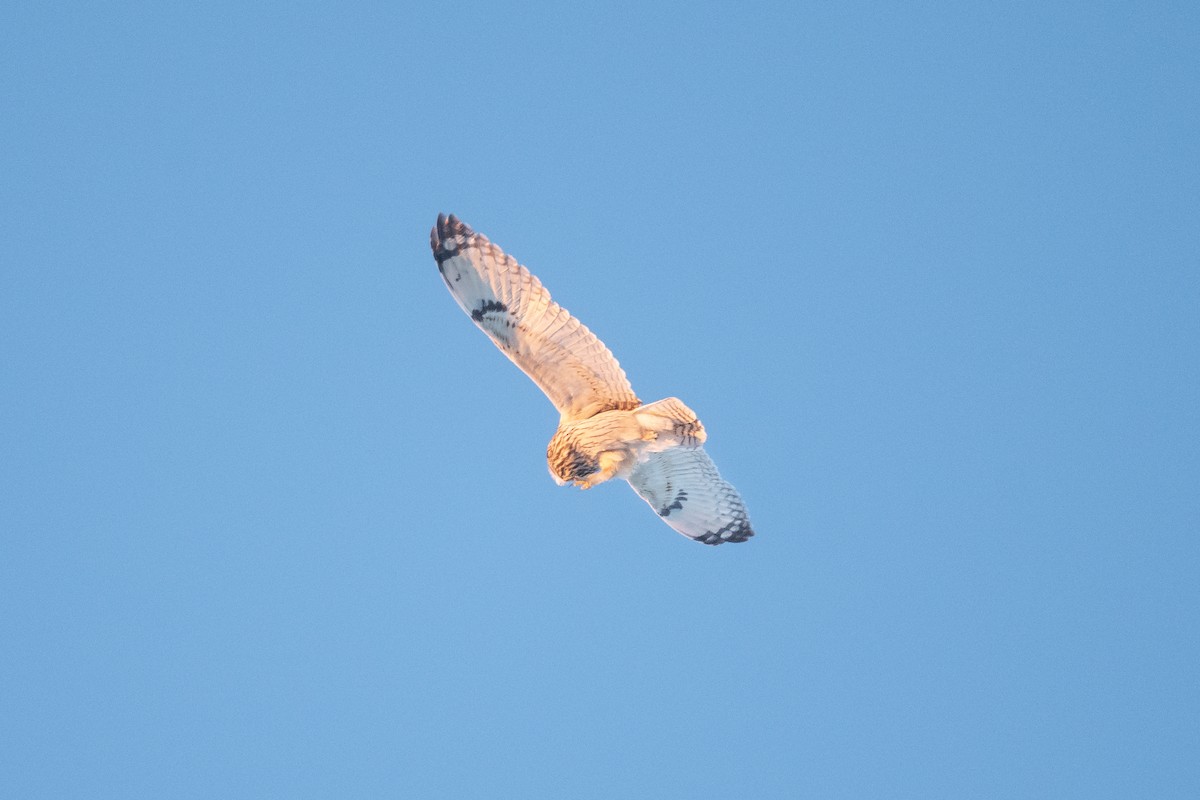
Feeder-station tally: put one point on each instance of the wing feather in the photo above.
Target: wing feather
(566, 360)
(683, 487)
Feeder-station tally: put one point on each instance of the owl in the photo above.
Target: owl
(604, 430)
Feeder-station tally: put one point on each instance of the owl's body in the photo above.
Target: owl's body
(604, 430)
(611, 444)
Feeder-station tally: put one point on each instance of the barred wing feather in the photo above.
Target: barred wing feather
(566, 360)
(683, 487)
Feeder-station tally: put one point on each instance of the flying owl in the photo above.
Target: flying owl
(604, 430)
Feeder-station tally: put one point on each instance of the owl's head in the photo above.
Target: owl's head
(566, 460)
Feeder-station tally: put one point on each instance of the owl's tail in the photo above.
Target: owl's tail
(670, 423)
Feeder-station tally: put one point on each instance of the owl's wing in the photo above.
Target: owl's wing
(566, 360)
(683, 487)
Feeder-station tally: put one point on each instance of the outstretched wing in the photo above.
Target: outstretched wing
(566, 360)
(683, 487)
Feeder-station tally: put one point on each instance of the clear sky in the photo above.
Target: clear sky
(276, 517)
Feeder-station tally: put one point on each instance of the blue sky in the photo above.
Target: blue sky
(276, 518)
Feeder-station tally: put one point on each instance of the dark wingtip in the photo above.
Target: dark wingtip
(740, 532)
(742, 535)
(733, 532)
(442, 236)
(449, 225)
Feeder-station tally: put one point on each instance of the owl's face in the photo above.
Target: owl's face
(568, 463)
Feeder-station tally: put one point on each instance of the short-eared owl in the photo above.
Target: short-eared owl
(604, 431)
